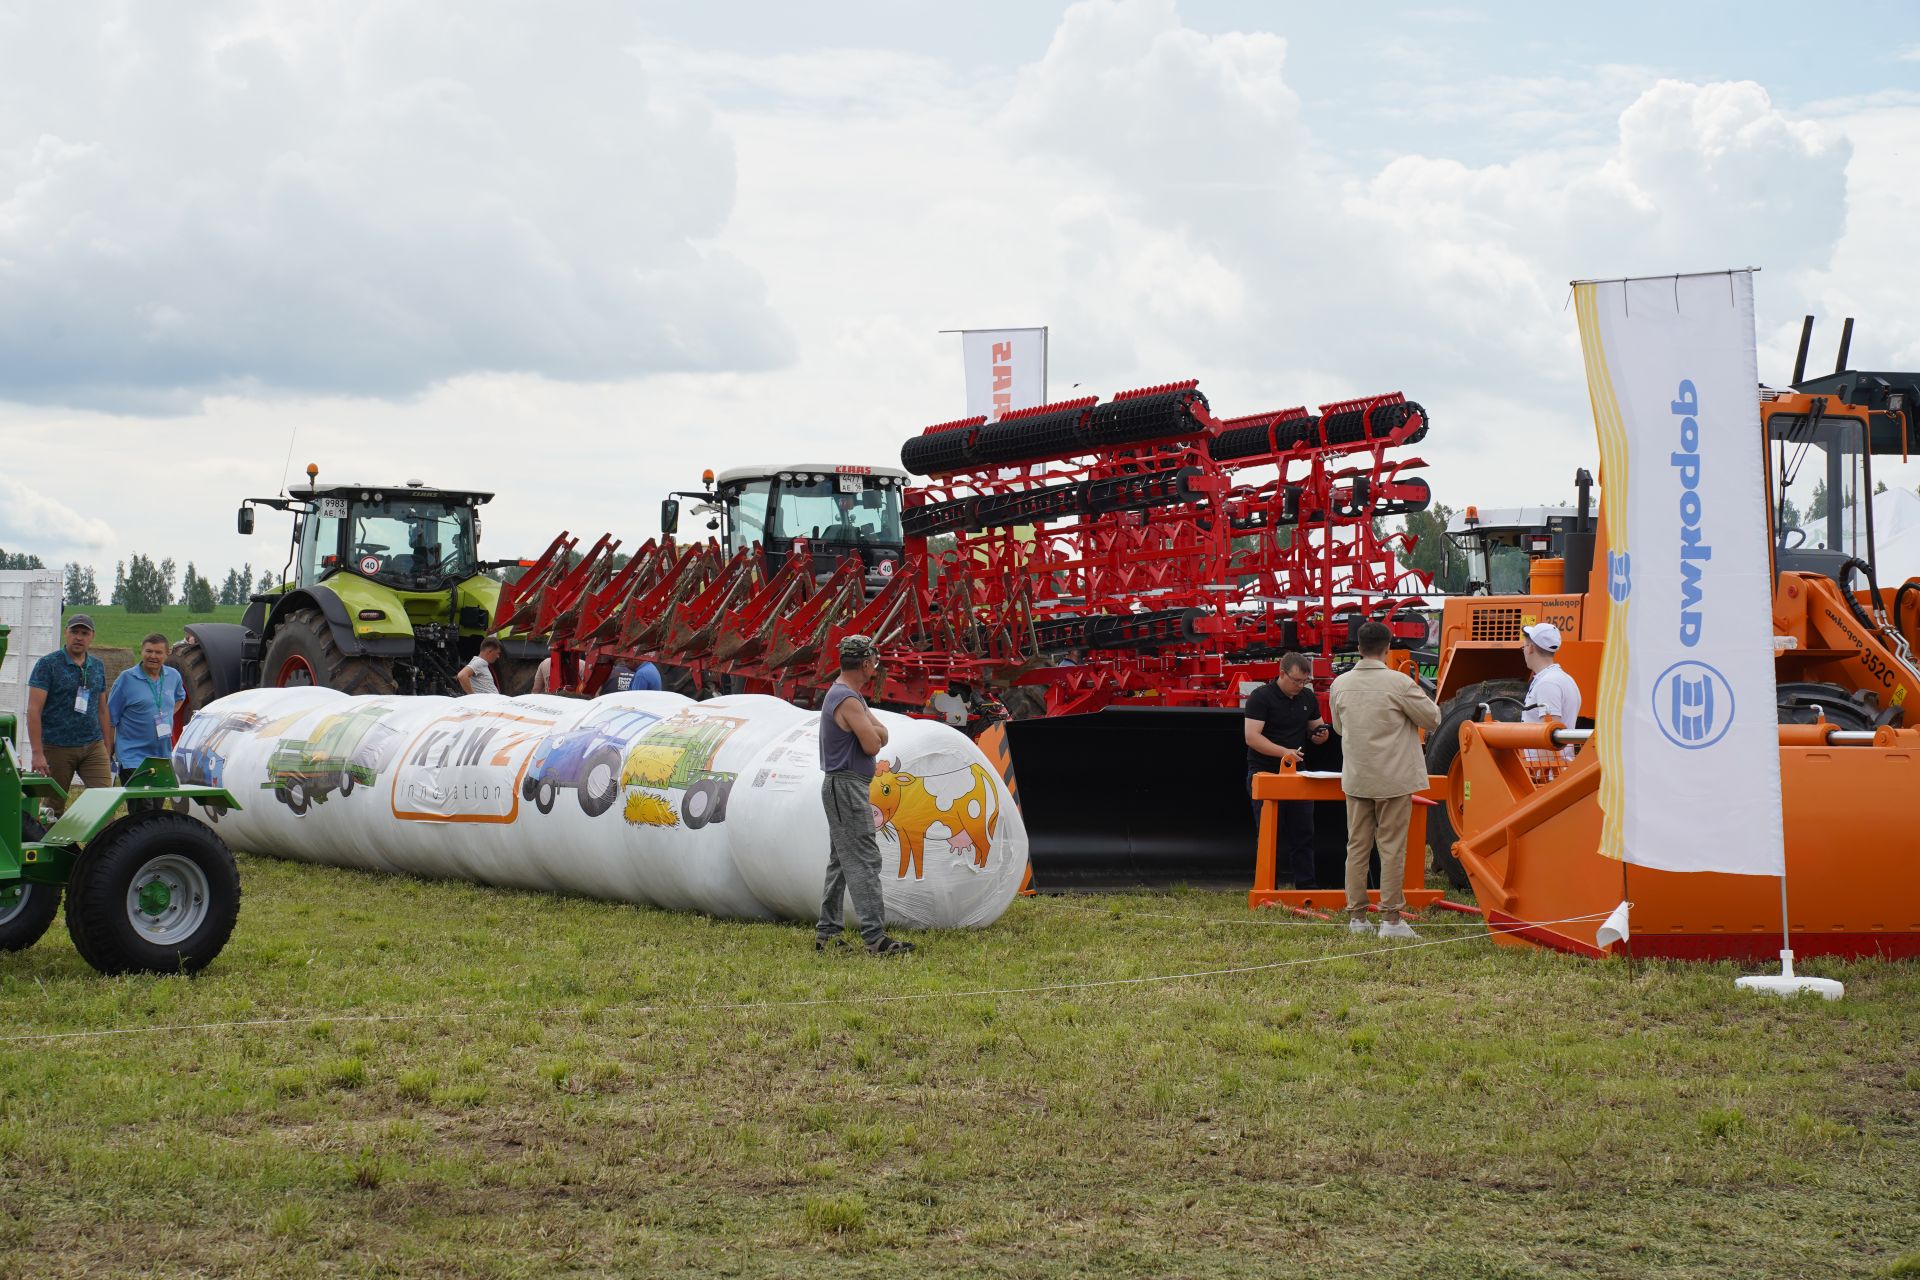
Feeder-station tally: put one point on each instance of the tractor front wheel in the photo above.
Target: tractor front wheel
(600, 781)
(27, 910)
(303, 652)
(155, 892)
(196, 678)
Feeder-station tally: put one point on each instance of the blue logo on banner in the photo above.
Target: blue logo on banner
(1693, 705)
(1619, 575)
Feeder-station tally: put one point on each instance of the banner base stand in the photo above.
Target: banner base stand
(1786, 984)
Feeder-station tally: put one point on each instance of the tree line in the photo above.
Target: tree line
(142, 586)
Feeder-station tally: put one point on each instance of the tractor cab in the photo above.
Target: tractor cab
(1500, 542)
(409, 537)
(835, 511)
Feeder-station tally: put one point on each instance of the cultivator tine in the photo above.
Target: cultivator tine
(799, 639)
(519, 605)
(695, 624)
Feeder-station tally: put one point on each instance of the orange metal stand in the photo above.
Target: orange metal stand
(1271, 788)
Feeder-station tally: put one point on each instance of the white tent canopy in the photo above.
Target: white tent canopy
(1896, 535)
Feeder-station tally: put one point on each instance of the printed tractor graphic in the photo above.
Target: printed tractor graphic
(199, 757)
(343, 752)
(586, 758)
(678, 755)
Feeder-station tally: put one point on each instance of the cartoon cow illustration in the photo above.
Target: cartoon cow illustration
(905, 806)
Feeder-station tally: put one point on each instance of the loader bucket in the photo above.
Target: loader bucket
(1132, 797)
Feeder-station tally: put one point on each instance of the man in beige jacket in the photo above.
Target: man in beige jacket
(1378, 713)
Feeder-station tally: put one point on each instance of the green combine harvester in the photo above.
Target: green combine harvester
(387, 594)
(151, 891)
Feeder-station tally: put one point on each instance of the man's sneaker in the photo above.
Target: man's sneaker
(838, 943)
(1359, 924)
(1397, 928)
(890, 947)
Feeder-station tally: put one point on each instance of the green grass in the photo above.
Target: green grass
(115, 628)
(484, 1083)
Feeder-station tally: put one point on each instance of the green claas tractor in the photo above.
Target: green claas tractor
(152, 891)
(388, 595)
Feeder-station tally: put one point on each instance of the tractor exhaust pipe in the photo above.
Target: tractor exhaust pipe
(1800, 360)
(1846, 345)
(1577, 546)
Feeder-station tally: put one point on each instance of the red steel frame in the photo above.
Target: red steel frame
(1221, 565)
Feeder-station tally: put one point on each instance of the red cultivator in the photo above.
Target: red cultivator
(1135, 553)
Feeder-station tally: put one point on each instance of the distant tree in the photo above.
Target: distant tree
(70, 590)
(146, 588)
(1817, 509)
(89, 587)
(1787, 516)
(1879, 487)
(1433, 551)
(167, 572)
(1510, 570)
(266, 582)
(197, 592)
(119, 583)
(20, 560)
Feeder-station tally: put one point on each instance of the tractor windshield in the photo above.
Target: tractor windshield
(408, 542)
(851, 509)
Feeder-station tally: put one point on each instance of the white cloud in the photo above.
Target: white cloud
(1158, 196)
(32, 522)
(353, 198)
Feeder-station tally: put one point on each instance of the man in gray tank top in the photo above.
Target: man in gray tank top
(850, 737)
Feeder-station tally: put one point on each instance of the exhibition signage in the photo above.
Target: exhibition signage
(1006, 369)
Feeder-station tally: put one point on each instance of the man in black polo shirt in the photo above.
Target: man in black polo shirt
(1281, 718)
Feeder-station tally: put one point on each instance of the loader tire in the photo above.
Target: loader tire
(27, 910)
(156, 892)
(1506, 699)
(515, 676)
(304, 652)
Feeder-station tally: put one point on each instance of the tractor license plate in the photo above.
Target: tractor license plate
(851, 484)
(333, 508)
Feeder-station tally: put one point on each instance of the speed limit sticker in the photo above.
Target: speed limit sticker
(370, 564)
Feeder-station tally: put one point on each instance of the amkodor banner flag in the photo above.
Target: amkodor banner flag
(1006, 369)
(1686, 726)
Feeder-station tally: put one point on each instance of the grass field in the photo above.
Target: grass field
(115, 628)
(488, 1083)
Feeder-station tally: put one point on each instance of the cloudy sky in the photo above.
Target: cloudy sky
(575, 252)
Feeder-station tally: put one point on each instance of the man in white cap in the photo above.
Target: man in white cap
(1551, 694)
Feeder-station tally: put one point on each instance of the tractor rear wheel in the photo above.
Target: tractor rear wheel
(304, 652)
(196, 676)
(156, 892)
(1506, 699)
(515, 676)
(26, 910)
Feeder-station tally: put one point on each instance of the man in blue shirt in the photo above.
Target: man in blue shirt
(67, 712)
(645, 676)
(142, 707)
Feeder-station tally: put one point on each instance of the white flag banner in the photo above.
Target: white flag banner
(1686, 727)
(1006, 369)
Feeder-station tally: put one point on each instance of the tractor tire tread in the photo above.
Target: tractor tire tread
(357, 676)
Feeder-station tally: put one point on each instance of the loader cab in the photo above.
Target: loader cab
(840, 511)
(1820, 474)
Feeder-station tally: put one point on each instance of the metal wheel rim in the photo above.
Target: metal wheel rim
(698, 802)
(20, 904)
(296, 672)
(189, 899)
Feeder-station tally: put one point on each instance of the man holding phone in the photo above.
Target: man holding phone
(1282, 717)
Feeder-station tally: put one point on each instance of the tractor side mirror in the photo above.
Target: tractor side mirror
(246, 520)
(670, 516)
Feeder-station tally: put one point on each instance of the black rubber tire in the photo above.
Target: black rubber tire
(678, 680)
(97, 917)
(700, 804)
(1794, 703)
(1024, 701)
(305, 634)
(294, 796)
(1507, 699)
(39, 903)
(722, 790)
(543, 796)
(596, 803)
(196, 673)
(346, 782)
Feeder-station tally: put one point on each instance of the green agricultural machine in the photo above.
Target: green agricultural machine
(152, 891)
(388, 594)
